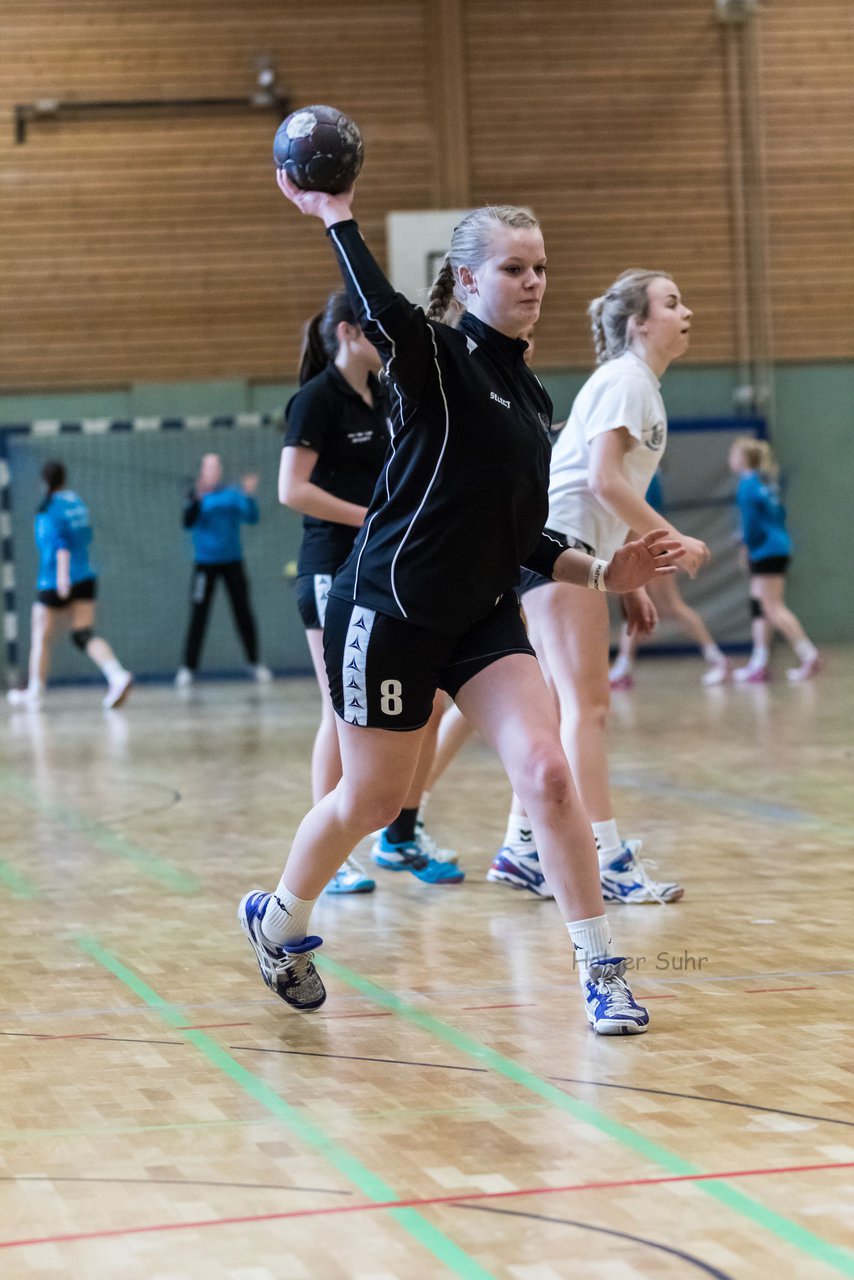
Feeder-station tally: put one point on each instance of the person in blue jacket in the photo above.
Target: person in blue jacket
(214, 513)
(66, 591)
(768, 548)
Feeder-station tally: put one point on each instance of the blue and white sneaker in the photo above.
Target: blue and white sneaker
(521, 870)
(351, 878)
(625, 879)
(407, 856)
(289, 972)
(611, 1007)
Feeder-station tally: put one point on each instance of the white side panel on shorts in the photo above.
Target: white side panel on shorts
(322, 583)
(355, 661)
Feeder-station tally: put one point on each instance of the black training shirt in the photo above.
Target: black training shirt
(463, 497)
(351, 439)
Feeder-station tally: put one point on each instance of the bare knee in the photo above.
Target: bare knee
(368, 808)
(546, 779)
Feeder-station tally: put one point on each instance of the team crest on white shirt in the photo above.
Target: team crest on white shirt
(654, 438)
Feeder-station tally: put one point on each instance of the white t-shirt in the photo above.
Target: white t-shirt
(623, 392)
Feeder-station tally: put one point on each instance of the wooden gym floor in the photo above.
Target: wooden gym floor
(447, 1112)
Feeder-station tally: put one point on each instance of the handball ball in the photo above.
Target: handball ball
(320, 149)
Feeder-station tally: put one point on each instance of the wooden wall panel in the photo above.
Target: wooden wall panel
(807, 85)
(159, 249)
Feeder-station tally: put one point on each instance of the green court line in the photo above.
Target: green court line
(18, 885)
(99, 835)
(832, 1255)
(373, 1186)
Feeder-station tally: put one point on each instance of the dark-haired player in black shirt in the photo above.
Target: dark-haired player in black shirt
(426, 600)
(336, 440)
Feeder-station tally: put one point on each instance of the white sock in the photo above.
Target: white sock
(35, 686)
(622, 666)
(806, 650)
(758, 658)
(287, 916)
(422, 809)
(113, 669)
(519, 836)
(608, 842)
(714, 655)
(591, 940)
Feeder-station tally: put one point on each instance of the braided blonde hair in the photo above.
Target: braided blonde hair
(471, 243)
(610, 314)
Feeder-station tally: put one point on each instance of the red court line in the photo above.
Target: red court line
(459, 1198)
(755, 991)
(206, 1026)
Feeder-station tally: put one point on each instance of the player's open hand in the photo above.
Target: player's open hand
(634, 563)
(318, 204)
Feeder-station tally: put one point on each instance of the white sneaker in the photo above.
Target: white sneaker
(625, 879)
(718, 673)
(430, 848)
(184, 678)
(120, 687)
(24, 697)
(806, 670)
(611, 1008)
(260, 674)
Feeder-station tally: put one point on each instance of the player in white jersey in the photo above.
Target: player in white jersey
(601, 467)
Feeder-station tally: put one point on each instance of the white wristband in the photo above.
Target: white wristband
(596, 577)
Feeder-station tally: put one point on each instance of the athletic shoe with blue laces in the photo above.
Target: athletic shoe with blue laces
(625, 879)
(288, 971)
(407, 856)
(521, 870)
(351, 878)
(611, 1007)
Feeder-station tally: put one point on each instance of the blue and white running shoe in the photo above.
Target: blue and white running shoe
(289, 972)
(611, 1007)
(625, 879)
(521, 870)
(351, 878)
(407, 856)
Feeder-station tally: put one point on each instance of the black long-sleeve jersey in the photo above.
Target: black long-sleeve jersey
(463, 497)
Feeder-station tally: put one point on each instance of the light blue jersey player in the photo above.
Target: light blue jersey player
(768, 548)
(65, 592)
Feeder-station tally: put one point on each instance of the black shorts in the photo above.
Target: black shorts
(770, 565)
(312, 590)
(384, 673)
(86, 589)
(530, 580)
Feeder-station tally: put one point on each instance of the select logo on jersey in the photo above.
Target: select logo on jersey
(498, 400)
(360, 437)
(654, 439)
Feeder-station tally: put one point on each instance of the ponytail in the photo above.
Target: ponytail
(610, 314)
(320, 339)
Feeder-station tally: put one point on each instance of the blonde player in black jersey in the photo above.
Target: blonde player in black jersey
(426, 599)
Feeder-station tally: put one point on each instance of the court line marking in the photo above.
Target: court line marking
(785, 1228)
(311, 1135)
(459, 1199)
(667, 1250)
(99, 835)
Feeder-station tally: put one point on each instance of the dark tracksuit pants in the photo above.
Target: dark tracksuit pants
(237, 586)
